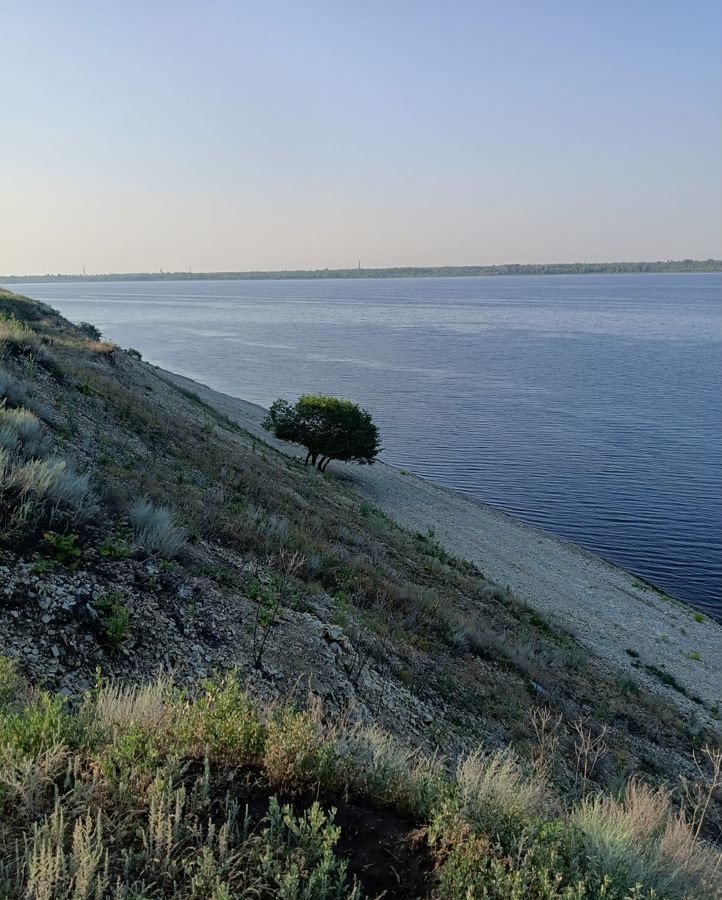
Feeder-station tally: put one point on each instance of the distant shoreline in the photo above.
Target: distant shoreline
(611, 268)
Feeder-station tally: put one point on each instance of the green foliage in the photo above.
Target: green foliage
(63, 547)
(218, 573)
(89, 331)
(115, 549)
(116, 617)
(133, 353)
(114, 794)
(665, 677)
(628, 685)
(225, 724)
(10, 682)
(178, 852)
(328, 427)
(300, 860)
(295, 750)
(474, 868)
(40, 725)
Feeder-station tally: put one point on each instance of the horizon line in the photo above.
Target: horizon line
(709, 264)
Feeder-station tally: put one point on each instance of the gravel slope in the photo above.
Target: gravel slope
(612, 614)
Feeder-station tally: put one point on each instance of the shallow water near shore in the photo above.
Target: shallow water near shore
(587, 405)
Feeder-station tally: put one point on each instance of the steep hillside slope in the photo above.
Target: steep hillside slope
(143, 530)
(629, 626)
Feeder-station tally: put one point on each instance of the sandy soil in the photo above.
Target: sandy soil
(611, 613)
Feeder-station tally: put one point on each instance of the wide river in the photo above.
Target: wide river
(588, 405)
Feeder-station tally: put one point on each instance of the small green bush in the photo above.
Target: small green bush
(40, 725)
(18, 337)
(116, 617)
(225, 724)
(63, 547)
(115, 549)
(300, 850)
(13, 392)
(296, 752)
(10, 682)
(89, 331)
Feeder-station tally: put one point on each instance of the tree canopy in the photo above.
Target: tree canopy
(328, 427)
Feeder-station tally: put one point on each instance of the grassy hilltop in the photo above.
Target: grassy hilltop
(224, 675)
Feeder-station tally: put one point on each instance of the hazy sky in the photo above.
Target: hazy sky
(251, 135)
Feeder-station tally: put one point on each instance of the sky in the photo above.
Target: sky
(212, 135)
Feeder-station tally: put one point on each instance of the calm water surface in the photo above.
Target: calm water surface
(587, 405)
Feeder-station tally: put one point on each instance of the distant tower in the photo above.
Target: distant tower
(83, 271)
(359, 265)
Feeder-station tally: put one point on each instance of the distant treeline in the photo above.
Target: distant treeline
(683, 265)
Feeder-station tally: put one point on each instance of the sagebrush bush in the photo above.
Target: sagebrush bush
(12, 391)
(640, 839)
(16, 393)
(37, 494)
(496, 795)
(36, 491)
(22, 432)
(155, 532)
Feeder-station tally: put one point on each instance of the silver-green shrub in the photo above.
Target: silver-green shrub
(36, 490)
(155, 531)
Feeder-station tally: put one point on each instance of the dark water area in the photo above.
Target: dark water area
(587, 405)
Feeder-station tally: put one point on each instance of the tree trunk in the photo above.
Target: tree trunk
(325, 465)
(308, 457)
(320, 464)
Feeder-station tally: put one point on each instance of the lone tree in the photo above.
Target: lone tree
(90, 331)
(327, 427)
